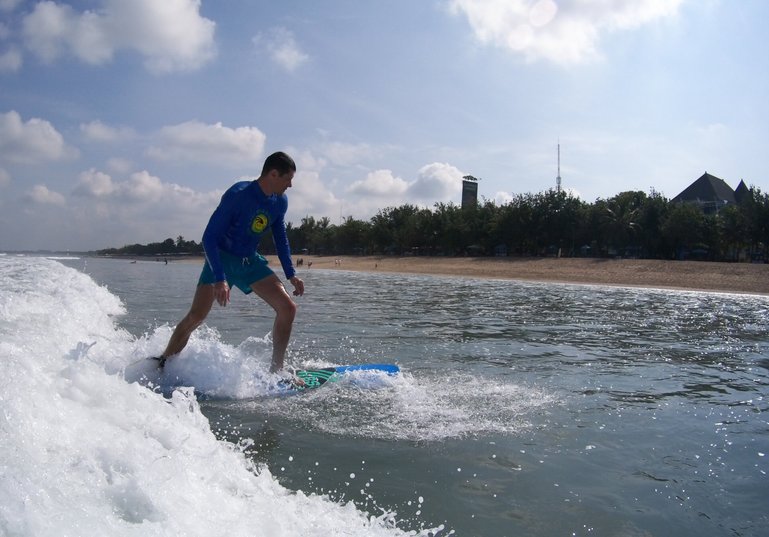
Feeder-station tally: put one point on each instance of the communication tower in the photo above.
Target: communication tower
(558, 177)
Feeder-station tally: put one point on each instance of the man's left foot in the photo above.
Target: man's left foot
(161, 361)
(288, 376)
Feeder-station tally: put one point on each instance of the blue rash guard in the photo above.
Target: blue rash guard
(236, 226)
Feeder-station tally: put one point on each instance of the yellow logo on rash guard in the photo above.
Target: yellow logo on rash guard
(260, 223)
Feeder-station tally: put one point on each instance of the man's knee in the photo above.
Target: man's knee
(194, 318)
(288, 310)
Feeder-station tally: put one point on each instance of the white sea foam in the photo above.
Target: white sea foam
(86, 453)
(407, 407)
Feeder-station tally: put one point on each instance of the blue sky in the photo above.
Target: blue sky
(123, 122)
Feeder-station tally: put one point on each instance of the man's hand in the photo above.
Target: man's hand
(298, 286)
(222, 293)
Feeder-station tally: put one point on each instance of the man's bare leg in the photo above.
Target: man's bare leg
(271, 290)
(201, 306)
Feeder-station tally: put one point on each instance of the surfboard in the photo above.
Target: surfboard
(315, 378)
(147, 372)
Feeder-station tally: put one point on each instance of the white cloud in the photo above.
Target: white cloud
(310, 196)
(281, 46)
(139, 208)
(503, 198)
(42, 195)
(306, 160)
(381, 184)
(100, 132)
(564, 32)
(436, 182)
(200, 142)
(171, 35)
(542, 12)
(379, 189)
(95, 184)
(142, 187)
(31, 141)
(10, 61)
(5, 177)
(51, 28)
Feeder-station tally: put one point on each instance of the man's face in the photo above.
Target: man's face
(284, 182)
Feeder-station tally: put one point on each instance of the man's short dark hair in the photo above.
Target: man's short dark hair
(279, 161)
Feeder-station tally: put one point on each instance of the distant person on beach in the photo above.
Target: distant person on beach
(230, 241)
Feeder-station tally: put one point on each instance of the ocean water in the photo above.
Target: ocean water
(523, 409)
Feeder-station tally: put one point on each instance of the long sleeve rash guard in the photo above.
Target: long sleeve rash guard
(238, 223)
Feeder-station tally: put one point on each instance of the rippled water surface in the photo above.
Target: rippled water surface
(523, 409)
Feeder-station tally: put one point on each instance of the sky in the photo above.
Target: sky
(123, 122)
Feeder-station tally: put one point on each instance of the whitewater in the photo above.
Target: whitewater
(85, 452)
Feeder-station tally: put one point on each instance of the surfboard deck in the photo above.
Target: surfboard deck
(147, 372)
(315, 378)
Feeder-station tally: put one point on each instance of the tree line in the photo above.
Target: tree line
(630, 224)
(550, 223)
(168, 247)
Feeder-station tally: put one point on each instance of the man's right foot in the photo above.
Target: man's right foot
(161, 361)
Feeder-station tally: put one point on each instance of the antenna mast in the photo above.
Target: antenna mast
(558, 178)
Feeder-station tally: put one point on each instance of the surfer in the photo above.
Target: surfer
(230, 242)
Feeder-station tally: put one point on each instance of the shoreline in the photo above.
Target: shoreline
(745, 278)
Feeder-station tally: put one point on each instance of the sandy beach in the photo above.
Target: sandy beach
(695, 275)
(749, 278)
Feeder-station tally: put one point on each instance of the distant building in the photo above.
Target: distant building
(469, 191)
(711, 194)
(742, 193)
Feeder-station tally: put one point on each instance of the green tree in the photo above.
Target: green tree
(315, 235)
(394, 229)
(622, 220)
(684, 229)
(557, 217)
(653, 212)
(448, 222)
(352, 237)
(733, 231)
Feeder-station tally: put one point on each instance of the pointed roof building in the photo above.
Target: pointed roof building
(709, 192)
(708, 188)
(742, 192)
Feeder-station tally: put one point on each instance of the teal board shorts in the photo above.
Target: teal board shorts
(241, 272)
